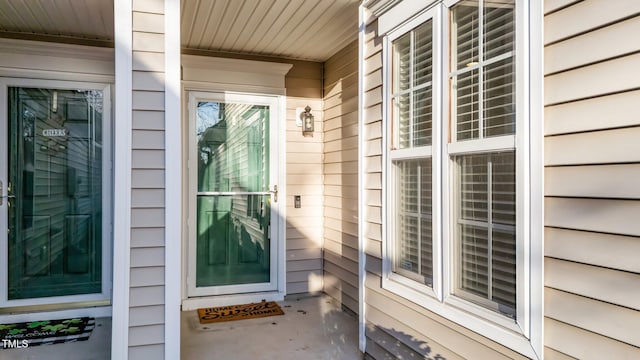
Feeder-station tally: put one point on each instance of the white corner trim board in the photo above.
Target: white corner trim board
(173, 181)
(122, 179)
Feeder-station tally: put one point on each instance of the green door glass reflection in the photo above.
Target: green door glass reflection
(233, 209)
(55, 173)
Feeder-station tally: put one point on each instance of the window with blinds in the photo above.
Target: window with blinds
(461, 180)
(414, 248)
(482, 81)
(483, 69)
(411, 102)
(486, 228)
(412, 88)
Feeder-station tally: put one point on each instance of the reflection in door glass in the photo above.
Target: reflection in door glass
(55, 172)
(233, 210)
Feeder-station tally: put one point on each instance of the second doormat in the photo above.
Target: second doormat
(238, 312)
(19, 335)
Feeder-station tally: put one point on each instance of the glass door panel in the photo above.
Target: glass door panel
(233, 244)
(55, 176)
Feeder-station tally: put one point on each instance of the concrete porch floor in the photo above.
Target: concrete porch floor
(312, 328)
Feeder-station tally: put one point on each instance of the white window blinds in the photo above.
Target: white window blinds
(414, 248)
(483, 68)
(412, 87)
(411, 98)
(483, 106)
(486, 228)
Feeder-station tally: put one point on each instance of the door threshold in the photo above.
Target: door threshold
(38, 315)
(21, 309)
(195, 303)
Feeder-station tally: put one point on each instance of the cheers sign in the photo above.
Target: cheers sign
(54, 132)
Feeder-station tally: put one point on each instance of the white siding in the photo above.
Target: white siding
(584, 16)
(146, 312)
(592, 236)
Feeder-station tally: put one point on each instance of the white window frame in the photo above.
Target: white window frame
(484, 145)
(523, 335)
(393, 281)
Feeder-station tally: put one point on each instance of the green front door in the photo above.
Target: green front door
(233, 201)
(53, 193)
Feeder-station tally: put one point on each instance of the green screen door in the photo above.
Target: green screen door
(54, 192)
(233, 202)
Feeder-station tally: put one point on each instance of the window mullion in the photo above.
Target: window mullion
(489, 229)
(480, 70)
(419, 217)
(395, 124)
(411, 90)
(411, 85)
(412, 153)
(453, 81)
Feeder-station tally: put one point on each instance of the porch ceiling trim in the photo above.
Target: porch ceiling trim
(225, 64)
(77, 19)
(248, 75)
(56, 49)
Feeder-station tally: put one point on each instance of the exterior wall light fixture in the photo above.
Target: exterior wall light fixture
(307, 121)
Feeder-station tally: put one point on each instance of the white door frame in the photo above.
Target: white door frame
(274, 289)
(85, 299)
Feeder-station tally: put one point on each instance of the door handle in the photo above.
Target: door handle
(2, 197)
(275, 193)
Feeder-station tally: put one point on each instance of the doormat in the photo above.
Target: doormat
(239, 312)
(28, 334)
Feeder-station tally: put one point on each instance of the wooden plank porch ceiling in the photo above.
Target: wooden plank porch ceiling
(297, 29)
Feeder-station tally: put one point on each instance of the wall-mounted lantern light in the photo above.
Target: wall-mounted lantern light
(307, 120)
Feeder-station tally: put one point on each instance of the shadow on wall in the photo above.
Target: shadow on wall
(385, 343)
(303, 255)
(341, 176)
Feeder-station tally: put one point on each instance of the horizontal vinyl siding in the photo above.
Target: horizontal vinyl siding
(396, 326)
(341, 176)
(146, 312)
(592, 207)
(424, 329)
(304, 178)
(592, 14)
